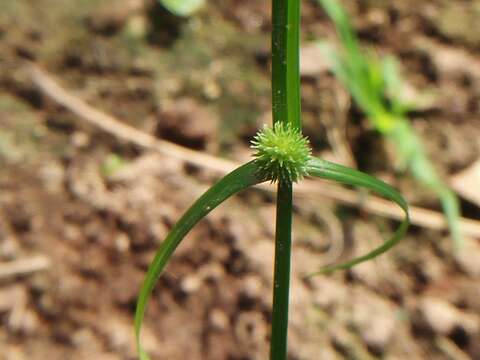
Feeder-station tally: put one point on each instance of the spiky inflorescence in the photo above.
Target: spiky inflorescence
(282, 153)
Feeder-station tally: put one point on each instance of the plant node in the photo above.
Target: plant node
(282, 153)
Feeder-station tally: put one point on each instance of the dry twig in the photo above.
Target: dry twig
(419, 216)
(23, 267)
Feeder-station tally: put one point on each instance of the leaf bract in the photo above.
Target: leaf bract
(327, 170)
(238, 180)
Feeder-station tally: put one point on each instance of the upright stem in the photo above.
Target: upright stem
(285, 62)
(285, 109)
(281, 281)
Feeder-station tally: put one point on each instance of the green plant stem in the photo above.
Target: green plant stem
(281, 281)
(285, 108)
(285, 62)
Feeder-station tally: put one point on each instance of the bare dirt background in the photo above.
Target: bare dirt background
(86, 211)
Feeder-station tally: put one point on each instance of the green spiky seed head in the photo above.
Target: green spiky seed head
(282, 153)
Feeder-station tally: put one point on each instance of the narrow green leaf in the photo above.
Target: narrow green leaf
(239, 179)
(327, 170)
(183, 7)
(413, 155)
(341, 19)
(451, 208)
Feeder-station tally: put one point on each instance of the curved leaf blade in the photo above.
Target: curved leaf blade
(327, 170)
(236, 181)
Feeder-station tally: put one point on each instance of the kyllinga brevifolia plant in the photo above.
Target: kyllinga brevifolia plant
(283, 156)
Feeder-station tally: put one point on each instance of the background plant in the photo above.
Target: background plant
(283, 156)
(376, 86)
(182, 7)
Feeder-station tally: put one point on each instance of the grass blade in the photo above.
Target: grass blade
(327, 170)
(376, 86)
(413, 156)
(237, 180)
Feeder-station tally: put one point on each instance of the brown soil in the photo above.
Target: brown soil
(97, 208)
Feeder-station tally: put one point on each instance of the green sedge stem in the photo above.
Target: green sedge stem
(286, 109)
(281, 281)
(285, 62)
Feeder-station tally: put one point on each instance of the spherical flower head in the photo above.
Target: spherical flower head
(282, 153)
